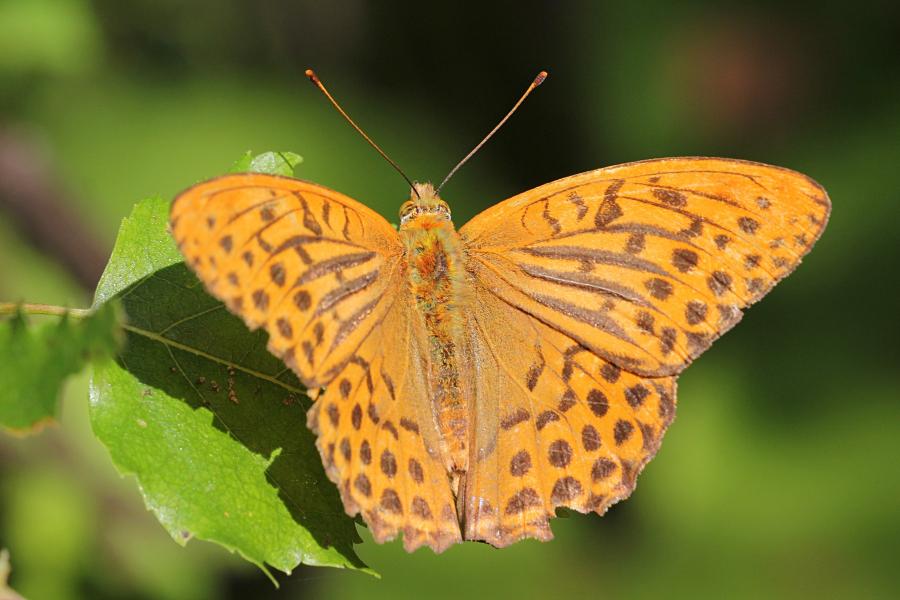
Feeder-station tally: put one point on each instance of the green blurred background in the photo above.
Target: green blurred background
(780, 476)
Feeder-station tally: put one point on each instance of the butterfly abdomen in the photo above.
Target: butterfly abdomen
(437, 287)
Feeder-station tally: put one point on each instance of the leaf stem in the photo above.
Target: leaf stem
(11, 308)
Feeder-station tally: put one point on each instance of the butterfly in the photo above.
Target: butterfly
(469, 382)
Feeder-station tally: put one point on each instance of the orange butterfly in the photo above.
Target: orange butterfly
(475, 380)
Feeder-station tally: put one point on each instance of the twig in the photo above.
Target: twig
(10, 308)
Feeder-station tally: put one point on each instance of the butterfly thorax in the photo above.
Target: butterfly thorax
(437, 285)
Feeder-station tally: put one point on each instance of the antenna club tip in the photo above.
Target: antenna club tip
(540, 78)
(312, 75)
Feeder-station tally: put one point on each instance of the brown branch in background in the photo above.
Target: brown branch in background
(31, 195)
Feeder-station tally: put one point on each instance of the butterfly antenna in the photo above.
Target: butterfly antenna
(315, 79)
(537, 81)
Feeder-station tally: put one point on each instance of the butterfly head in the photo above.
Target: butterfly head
(423, 200)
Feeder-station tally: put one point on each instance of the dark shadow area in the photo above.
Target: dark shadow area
(223, 367)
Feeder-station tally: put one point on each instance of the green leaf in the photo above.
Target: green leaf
(36, 359)
(197, 478)
(211, 424)
(273, 163)
(142, 247)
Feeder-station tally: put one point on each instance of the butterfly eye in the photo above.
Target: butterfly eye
(405, 209)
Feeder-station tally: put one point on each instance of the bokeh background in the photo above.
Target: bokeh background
(780, 476)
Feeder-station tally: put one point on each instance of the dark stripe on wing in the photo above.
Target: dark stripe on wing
(330, 265)
(345, 291)
(591, 255)
(586, 281)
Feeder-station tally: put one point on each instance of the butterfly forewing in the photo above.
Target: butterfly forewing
(317, 269)
(647, 263)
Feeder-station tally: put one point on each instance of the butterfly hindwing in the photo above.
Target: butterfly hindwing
(556, 425)
(647, 263)
(314, 267)
(378, 439)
